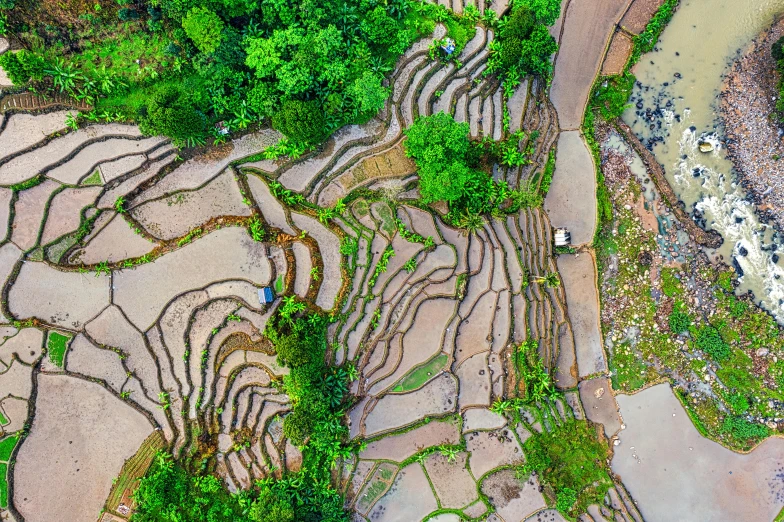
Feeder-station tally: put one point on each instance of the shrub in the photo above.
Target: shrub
(546, 11)
(263, 99)
(14, 68)
(204, 28)
(565, 500)
(777, 50)
(438, 144)
(168, 492)
(570, 460)
(292, 352)
(743, 429)
(297, 427)
(171, 112)
(536, 52)
(271, 507)
(23, 66)
(127, 14)
(709, 341)
(301, 121)
(679, 321)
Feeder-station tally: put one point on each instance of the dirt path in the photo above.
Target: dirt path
(571, 202)
(676, 474)
(588, 25)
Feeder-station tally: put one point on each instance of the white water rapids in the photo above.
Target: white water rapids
(727, 211)
(674, 109)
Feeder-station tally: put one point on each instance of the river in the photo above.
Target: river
(674, 106)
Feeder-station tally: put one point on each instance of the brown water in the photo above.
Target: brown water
(674, 107)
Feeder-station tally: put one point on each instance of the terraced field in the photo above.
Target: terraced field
(149, 265)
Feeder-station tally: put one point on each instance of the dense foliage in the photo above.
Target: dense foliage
(236, 61)
(524, 45)
(307, 67)
(450, 168)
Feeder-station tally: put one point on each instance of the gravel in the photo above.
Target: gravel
(755, 145)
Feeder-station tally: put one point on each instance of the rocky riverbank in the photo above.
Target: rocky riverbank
(755, 141)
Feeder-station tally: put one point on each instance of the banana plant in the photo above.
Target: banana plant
(64, 75)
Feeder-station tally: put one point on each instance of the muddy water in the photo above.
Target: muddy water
(675, 108)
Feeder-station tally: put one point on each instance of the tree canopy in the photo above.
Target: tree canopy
(439, 145)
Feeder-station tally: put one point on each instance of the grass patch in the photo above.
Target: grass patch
(571, 462)
(93, 179)
(3, 419)
(671, 285)
(547, 174)
(56, 345)
(420, 375)
(28, 184)
(628, 371)
(7, 446)
(3, 486)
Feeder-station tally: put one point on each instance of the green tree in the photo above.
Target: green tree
(263, 56)
(204, 27)
(546, 11)
(537, 50)
(171, 112)
(438, 144)
(272, 506)
(301, 121)
(263, 99)
(380, 28)
(368, 93)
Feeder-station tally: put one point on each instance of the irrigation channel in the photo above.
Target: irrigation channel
(674, 108)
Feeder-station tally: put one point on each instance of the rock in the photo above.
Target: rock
(762, 352)
(706, 146)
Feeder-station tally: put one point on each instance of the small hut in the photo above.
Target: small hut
(265, 295)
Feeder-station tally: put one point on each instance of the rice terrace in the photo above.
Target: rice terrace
(391, 260)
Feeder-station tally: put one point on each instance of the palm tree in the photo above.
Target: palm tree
(471, 222)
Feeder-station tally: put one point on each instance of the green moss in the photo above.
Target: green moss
(279, 284)
(3, 419)
(744, 431)
(420, 375)
(7, 447)
(724, 280)
(57, 344)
